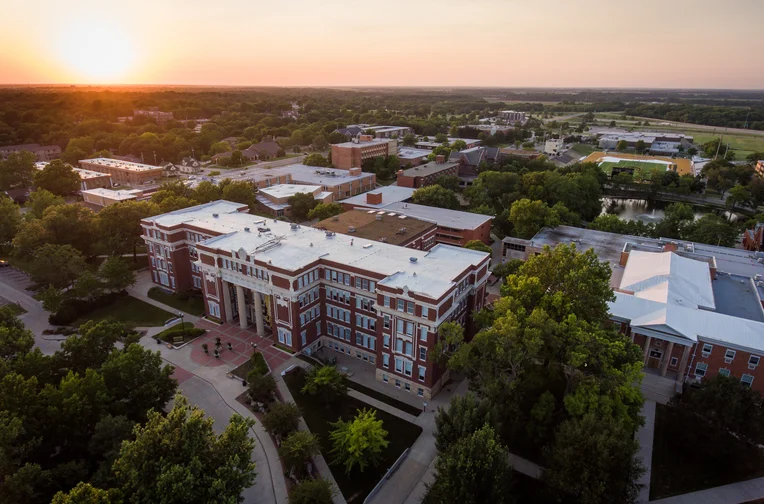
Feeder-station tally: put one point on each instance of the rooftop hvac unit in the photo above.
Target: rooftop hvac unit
(351, 229)
(336, 218)
(215, 215)
(246, 229)
(413, 259)
(368, 246)
(294, 226)
(379, 217)
(330, 234)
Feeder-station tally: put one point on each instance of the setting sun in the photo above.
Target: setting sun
(96, 51)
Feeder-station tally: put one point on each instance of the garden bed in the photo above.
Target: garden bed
(689, 456)
(356, 485)
(180, 334)
(257, 361)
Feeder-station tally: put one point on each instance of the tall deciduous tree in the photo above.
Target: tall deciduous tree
(325, 381)
(478, 245)
(177, 458)
(17, 170)
(473, 470)
(58, 178)
(41, 199)
(359, 442)
(116, 274)
(58, 265)
(11, 220)
(528, 217)
(297, 450)
(239, 191)
(119, 225)
(312, 491)
(436, 196)
(464, 415)
(281, 419)
(325, 210)
(302, 204)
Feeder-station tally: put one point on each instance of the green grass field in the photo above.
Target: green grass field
(743, 145)
(584, 149)
(129, 310)
(642, 169)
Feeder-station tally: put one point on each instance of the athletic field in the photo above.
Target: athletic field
(642, 169)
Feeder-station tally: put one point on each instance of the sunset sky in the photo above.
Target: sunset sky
(545, 43)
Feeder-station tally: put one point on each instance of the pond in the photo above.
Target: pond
(652, 211)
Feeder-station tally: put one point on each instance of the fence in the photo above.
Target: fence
(386, 477)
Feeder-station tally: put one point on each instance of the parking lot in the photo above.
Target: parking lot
(15, 278)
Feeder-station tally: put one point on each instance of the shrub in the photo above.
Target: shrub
(72, 309)
(317, 491)
(259, 366)
(281, 420)
(261, 388)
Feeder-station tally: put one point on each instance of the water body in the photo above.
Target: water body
(651, 211)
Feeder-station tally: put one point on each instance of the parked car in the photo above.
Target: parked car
(4, 264)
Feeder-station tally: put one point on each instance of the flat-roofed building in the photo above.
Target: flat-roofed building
(412, 157)
(101, 197)
(512, 116)
(352, 154)
(124, 172)
(41, 152)
(309, 289)
(275, 199)
(695, 310)
(427, 174)
(90, 179)
(454, 226)
(379, 198)
(383, 226)
(429, 143)
(390, 131)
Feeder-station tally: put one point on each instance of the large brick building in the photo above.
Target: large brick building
(695, 310)
(124, 172)
(316, 289)
(41, 152)
(274, 200)
(89, 179)
(348, 155)
(427, 174)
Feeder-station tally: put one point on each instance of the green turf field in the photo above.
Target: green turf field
(642, 169)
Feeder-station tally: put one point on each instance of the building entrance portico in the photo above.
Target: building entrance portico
(247, 305)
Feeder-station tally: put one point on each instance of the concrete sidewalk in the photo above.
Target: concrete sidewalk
(645, 436)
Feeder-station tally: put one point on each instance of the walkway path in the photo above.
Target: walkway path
(645, 437)
(35, 319)
(735, 493)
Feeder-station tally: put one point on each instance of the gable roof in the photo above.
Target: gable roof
(269, 147)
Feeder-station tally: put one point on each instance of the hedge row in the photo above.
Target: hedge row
(73, 309)
(189, 332)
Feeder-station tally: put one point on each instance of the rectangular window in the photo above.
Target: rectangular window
(387, 301)
(384, 377)
(422, 353)
(365, 284)
(386, 341)
(408, 367)
(397, 384)
(398, 365)
(385, 361)
(401, 304)
(747, 380)
(674, 361)
(386, 321)
(425, 311)
(423, 330)
(399, 325)
(409, 328)
(724, 372)
(399, 345)
(729, 355)
(372, 286)
(707, 349)
(409, 349)
(407, 386)
(753, 361)
(359, 339)
(422, 371)
(410, 307)
(700, 369)
(420, 392)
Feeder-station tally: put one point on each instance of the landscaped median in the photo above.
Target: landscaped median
(180, 334)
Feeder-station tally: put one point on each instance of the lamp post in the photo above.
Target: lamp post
(182, 326)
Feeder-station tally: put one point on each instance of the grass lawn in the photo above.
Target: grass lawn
(688, 457)
(642, 169)
(743, 145)
(129, 310)
(193, 304)
(356, 485)
(15, 309)
(379, 396)
(584, 149)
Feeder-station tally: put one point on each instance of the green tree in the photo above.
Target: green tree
(116, 274)
(206, 191)
(219, 148)
(359, 442)
(17, 170)
(281, 419)
(711, 229)
(611, 472)
(88, 286)
(297, 449)
(239, 191)
(58, 178)
(51, 298)
(90, 348)
(640, 147)
(409, 140)
(119, 225)
(436, 196)
(315, 159)
(473, 470)
(85, 493)
(450, 182)
(441, 137)
(320, 143)
(511, 267)
(177, 458)
(57, 265)
(325, 381)
(325, 210)
(236, 159)
(15, 341)
(458, 145)
(738, 196)
(478, 245)
(261, 388)
(622, 146)
(301, 204)
(528, 217)
(464, 416)
(312, 491)
(450, 339)
(11, 220)
(40, 200)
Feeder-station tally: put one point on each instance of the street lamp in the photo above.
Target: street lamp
(182, 327)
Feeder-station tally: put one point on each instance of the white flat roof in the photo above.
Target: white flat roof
(121, 194)
(455, 219)
(390, 194)
(363, 144)
(84, 174)
(430, 274)
(288, 190)
(121, 165)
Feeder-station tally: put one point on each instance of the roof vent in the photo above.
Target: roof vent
(413, 259)
(379, 217)
(351, 229)
(368, 246)
(294, 226)
(330, 234)
(246, 229)
(215, 215)
(336, 218)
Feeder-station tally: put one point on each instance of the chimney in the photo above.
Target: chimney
(374, 198)
(366, 138)
(440, 159)
(400, 172)
(354, 172)
(670, 247)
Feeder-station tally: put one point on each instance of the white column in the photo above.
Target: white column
(667, 358)
(648, 341)
(242, 306)
(227, 301)
(683, 365)
(259, 313)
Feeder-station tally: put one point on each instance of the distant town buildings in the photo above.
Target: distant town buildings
(315, 288)
(354, 130)
(379, 198)
(352, 154)
(41, 152)
(154, 113)
(554, 146)
(412, 157)
(695, 310)
(430, 143)
(124, 172)
(512, 116)
(341, 183)
(760, 167)
(654, 142)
